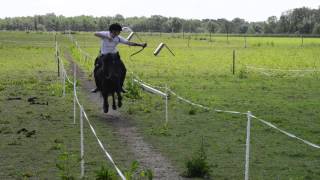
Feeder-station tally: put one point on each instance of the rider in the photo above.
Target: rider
(109, 41)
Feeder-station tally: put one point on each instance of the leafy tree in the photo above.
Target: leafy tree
(316, 29)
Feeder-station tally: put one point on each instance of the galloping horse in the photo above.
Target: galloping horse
(108, 79)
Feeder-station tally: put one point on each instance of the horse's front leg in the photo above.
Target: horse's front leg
(105, 104)
(114, 107)
(119, 99)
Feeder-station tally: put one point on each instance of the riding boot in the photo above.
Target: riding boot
(97, 65)
(123, 76)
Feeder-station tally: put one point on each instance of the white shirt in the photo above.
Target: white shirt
(108, 45)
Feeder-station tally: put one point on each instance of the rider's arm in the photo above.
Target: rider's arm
(137, 44)
(103, 35)
(125, 41)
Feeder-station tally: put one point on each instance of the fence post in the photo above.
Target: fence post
(58, 58)
(246, 175)
(81, 143)
(74, 93)
(64, 82)
(234, 62)
(166, 104)
(245, 41)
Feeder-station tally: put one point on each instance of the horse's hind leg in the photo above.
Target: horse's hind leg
(119, 99)
(105, 104)
(114, 107)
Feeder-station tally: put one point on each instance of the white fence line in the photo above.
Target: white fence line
(246, 176)
(285, 70)
(84, 54)
(236, 112)
(272, 71)
(286, 133)
(249, 114)
(150, 89)
(82, 112)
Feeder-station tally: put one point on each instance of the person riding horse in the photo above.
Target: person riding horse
(109, 41)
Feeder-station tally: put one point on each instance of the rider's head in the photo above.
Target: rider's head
(115, 29)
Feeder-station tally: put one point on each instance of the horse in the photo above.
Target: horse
(108, 79)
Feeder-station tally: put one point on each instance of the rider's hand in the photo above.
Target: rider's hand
(144, 45)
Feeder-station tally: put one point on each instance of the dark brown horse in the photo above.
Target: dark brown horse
(108, 78)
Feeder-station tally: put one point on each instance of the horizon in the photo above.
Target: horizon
(249, 10)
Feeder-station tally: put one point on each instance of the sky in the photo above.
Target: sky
(250, 10)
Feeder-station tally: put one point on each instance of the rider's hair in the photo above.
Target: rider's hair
(115, 27)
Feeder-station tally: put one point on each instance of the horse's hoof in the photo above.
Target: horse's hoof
(114, 107)
(119, 104)
(105, 109)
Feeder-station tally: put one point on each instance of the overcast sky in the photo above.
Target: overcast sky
(250, 10)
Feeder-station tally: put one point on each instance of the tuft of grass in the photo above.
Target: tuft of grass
(198, 166)
(105, 174)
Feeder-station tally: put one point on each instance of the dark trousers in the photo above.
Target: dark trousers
(98, 64)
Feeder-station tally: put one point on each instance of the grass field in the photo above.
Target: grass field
(37, 136)
(200, 73)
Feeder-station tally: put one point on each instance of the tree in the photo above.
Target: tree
(175, 24)
(212, 26)
(271, 25)
(237, 23)
(316, 29)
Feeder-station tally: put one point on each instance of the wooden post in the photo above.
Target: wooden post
(301, 40)
(189, 41)
(166, 101)
(234, 62)
(58, 59)
(245, 41)
(227, 37)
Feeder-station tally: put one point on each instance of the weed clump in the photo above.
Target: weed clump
(198, 166)
(105, 174)
(243, 73)
(133, 91)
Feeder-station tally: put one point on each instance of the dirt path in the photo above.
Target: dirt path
(145, 154)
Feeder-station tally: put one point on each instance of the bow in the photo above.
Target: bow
(135, 53)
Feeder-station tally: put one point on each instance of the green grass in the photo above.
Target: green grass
(202, 74)
(30, 71)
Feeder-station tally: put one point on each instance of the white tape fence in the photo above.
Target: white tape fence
(283, 72)
(168, 91)
(249, 117)
(83, 114)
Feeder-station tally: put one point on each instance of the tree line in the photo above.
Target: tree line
(296, 21)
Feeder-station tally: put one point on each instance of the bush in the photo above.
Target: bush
(105, 174)
(243, 73)
(133, 90)
(136, 173)
(198, 166)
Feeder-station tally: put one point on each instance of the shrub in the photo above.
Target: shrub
(243, 73)
(133, 90)
(105, 174)
(198, 166)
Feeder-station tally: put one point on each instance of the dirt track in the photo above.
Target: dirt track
(144, 153)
